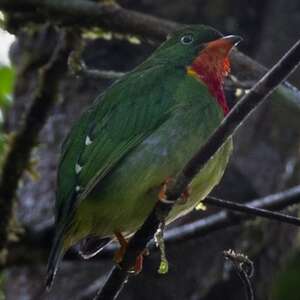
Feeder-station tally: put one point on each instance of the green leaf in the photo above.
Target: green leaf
(7, 78)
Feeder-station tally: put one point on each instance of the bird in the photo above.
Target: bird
(137, 134)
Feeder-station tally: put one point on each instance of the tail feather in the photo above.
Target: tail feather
(56, 254)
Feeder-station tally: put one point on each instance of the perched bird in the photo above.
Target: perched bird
(142, 130)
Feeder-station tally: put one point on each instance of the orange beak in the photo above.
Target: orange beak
(223, 45)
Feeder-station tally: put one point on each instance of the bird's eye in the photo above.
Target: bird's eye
(187, 39)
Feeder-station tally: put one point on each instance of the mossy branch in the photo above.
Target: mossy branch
(108, 16)
(26, 137)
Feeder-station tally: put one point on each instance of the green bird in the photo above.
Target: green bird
(142, 130)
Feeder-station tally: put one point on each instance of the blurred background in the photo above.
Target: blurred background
(266, 160)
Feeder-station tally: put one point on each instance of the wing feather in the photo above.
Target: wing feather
(118, 121)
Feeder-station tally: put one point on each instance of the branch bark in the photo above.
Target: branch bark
(88, 14)
(113, 17)
(26, 138)
(237, 115)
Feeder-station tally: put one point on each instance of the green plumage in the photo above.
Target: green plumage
(143, 129)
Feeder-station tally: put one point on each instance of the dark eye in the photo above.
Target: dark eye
(187, 39)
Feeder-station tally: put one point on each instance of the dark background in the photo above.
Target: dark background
(266, 160)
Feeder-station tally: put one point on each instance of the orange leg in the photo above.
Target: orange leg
(162, 193)
(118, 257)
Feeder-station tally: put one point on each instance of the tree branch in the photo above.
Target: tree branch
(113, 17)
(244, 267)
(225, 219)
(230, 124)
(31, 242)
(82, 70)
(26, 138)
(89, 14)
(253, 211)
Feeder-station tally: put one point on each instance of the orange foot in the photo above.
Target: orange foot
(162, 193)
(119, 255)
(185, 196)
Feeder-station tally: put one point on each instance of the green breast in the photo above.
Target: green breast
(204, 182)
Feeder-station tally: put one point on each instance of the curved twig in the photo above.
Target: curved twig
(244, 268)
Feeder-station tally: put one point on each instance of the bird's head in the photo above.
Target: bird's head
(203, 52)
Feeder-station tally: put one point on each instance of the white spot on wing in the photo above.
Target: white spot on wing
(77, 188)
(88, 140)
(152, 140)
(78, 168)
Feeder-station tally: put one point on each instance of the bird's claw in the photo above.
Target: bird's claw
(162, 193)
(119, 255)
(185, 196)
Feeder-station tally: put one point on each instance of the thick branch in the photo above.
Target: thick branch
(88, 14)
(237, 115)
(113, 17)
(26, 138)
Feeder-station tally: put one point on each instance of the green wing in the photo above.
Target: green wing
(118, 121)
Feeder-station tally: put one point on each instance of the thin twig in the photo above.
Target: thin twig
(252, 210)
(32, 241)
(244, 268)
(225, 219)
(237, 115)
(78, 67)
(26, 138)
(100, 74)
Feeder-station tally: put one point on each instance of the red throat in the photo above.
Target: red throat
(212, 66)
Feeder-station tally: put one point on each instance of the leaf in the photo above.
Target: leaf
(7, 79)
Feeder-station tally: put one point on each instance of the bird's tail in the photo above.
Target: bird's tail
(56, 254)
